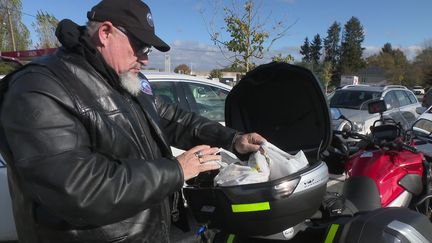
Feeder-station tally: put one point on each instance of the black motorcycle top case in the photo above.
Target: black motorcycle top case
(286, 105)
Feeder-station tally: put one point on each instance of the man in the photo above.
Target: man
(88, 152)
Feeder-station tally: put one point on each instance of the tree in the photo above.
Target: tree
(332, 50)
(14, 35)
(280, 58)
(182, 68)
(387, 48)
(247, 34)
(332, 45)
(315, 50)
(215, 73)
(326, 74)
(351, 50)
(393, 62)
(424, 61)
(45, 26)
(305, 50)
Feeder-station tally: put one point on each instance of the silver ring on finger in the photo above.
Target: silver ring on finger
(199, 154)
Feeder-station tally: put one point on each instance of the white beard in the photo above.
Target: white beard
(130, 82)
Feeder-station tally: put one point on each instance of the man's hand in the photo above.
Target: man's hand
(249, 142)
(198, 159)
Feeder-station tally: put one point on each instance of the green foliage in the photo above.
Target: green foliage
(332, 50)
(305, 50)
(424, 61)
(215, 73)
(247, 35)
(45, 26)
(13, 33)
(280, 58)
(332, 44)
(315, 49)
(351, 50)
(6, 68)
(326, 74)
(394, 62)
(182, 68)
(234, 68)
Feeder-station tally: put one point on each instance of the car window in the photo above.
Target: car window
(391, 100)
(412, 98)
(210, 100)
(402, 98)
(352, 99)
(164, 92)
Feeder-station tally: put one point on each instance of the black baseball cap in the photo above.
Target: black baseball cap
(133, 15)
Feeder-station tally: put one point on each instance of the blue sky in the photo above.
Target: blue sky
(405, 24)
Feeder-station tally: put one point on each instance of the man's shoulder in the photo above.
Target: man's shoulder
(36, 78)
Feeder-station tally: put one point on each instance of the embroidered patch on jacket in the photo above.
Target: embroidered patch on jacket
(145, 86)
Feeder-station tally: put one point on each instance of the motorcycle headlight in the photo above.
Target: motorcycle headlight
(346, 126)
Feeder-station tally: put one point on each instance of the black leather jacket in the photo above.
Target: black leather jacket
(91, 163)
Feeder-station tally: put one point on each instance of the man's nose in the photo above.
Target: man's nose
(143, 59)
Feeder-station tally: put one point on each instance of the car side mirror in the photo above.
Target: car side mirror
(420, 110)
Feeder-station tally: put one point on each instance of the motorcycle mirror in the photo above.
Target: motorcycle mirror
(378, 106)
(422, 126)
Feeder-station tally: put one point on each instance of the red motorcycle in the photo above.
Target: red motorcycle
(386, 169)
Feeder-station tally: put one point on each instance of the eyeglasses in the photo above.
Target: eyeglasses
(139, 48)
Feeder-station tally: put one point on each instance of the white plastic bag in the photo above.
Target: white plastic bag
(267, 164)
(280, 162)
(236, 172)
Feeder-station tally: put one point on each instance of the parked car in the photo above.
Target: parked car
(352, 102)
(200, 95)
(427, 99)
(418, 90)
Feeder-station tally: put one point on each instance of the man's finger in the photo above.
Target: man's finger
(209, 166)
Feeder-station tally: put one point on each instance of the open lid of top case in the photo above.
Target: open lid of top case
(285, 104)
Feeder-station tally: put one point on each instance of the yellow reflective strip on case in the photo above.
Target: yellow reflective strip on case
(331, 233)
(230, 238)
(250, 207)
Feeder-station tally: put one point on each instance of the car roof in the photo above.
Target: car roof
(372, 88)
(153, 76)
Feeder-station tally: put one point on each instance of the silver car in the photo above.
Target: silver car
(352, 102)
(203, 96)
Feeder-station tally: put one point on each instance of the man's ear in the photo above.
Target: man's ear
(105, 32)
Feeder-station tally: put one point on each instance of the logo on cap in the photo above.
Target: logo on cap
(150, 19)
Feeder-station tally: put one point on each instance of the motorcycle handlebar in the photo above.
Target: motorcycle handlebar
(409, 148)
(399, 145)
(347, 134)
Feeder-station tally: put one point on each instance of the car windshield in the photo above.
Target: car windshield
(353, 99)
